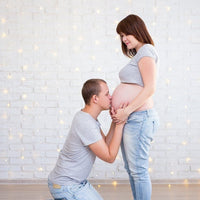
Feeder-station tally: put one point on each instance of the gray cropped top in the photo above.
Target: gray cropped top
(131, 73)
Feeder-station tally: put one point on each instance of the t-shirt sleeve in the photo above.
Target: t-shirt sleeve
(89, 132)
(147, 51)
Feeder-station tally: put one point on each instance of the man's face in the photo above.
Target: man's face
(104, 98)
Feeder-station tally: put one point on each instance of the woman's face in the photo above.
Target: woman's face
(130, 41)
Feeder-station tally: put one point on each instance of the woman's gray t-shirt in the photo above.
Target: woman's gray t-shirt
(131, 72)
(76, 159)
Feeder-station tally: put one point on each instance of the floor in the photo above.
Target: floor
(108, 192)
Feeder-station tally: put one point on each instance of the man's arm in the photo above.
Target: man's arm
(107, 148)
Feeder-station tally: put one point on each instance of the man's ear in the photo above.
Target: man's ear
(94, 98)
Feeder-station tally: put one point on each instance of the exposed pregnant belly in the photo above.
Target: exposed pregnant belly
(125, 93)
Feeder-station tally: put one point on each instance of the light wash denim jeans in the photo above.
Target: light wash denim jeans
(82, 191)
(137, 136)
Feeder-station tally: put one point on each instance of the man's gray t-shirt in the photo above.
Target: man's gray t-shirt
(76, 159)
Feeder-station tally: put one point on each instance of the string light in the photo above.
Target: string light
(61, 122)
(187, 160)
(5, 91)
(114, 183)
(36, 47)
(184, 143)
(150, 170)
(98, 186)
(20, 50)
(169, 186)
(9, 76)
(24, 96)
(99, 69)
(25, 107)
(97, 42)
(3, 35)
(93, 57)
(186, 182)
(40, 169)
(98, 11)
(168, 8)
(3, 20)
(25, 67)
(77, 69)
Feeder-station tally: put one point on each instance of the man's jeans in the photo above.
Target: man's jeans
(137, 136)
(82, 191)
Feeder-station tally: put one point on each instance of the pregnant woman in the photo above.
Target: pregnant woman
(138, 83)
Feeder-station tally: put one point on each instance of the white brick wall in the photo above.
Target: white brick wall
(49, 48)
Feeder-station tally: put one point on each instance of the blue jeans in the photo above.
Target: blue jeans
(82, 191)
(137, 136)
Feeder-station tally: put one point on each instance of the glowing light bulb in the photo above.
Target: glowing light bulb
(93, 57)
(3, 35)
(3, 20)
(114, 183)
(167, 81)
(61, 122)
(58, 150)
(5, 116)
(150, 170)
(117, 50)
(22, 157)
(150, 159)
(172, 173)
(169, 125)
(188, 68)
(10, 137)
(98, 186)
(9, 76)
(36, 47)
(117, 9)
(186, 182)
(169, 97)
(77, 69)
(24, 96)
(20, 50)
(74, 27)
(25, 107)
(5, 91)
(99, 69)
(98, 11)
(168, 8)
(23, 79)
(97, 42)
(170, 69)
(54, 54)
(40, 169)
(25, 67)
(61, 112)
(187, 160)
(188, 121)
(189, 21)
(169, 186)
(184, 143)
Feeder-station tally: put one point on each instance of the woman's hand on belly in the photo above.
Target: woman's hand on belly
(119, 115)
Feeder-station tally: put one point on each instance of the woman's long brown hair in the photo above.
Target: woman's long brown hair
(133, 25)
